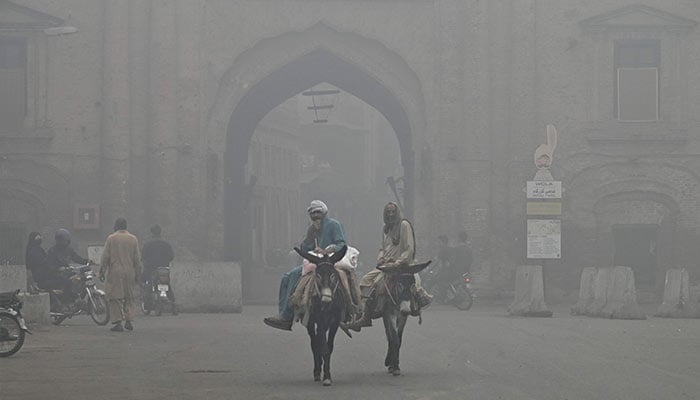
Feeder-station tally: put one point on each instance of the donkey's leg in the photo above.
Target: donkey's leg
(390, 328)
(332, 330)
(315, 350)
(401, 324)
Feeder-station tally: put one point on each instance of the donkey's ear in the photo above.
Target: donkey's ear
(415, 268)
(338, 255)
(312, 258)
(298, 250)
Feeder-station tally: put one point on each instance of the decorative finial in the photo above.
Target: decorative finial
(544, 154)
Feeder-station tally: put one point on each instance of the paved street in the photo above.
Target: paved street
(479, 354)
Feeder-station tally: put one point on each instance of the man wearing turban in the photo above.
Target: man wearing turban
(398, 248)
(324, 236)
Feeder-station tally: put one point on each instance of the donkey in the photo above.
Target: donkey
(398, 283)
(325, 312)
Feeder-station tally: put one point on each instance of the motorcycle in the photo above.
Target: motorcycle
(12, 326)
(158, 294)
(88, 299)
(457, 292)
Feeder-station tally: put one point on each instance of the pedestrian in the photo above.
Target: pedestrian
(462, 254)
(35, 260)
(444, 257)
(121, 266)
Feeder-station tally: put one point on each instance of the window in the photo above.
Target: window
(13, 83)
(637, 80)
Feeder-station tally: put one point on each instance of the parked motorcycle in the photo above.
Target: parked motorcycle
(88, 299)
(157, 293)
(457, 292)
(12, 326)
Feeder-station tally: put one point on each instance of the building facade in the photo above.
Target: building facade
(147, 109)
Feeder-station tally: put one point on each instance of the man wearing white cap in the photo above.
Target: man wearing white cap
(325, 235)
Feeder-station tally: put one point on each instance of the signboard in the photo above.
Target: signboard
(86, 216)
(543, 208)
(544, 238)
(544, 189)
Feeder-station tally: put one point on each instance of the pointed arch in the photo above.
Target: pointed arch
(278, 68)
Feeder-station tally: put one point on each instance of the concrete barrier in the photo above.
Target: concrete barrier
(13, 277)
(207, 286)
(677, 302)
(602, 280)
(622, 296)
(585, 293)
(529, 293)
(36, 308)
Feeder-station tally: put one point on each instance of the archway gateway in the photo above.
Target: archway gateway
(317, 66)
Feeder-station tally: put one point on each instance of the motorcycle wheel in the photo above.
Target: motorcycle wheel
(144, 309)
(437, 293)
(98, 309)
(11, 335)
(465, 301)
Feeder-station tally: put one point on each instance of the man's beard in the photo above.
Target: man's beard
(391, 219)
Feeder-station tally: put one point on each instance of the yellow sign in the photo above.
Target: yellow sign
(543, 208)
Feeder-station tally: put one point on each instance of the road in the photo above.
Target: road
(479, 354)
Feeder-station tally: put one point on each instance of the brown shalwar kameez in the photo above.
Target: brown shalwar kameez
(121, 261)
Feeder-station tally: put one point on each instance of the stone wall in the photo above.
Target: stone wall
(132, 113)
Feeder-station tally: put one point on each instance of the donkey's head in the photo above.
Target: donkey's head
(325, 275)
(400, 280)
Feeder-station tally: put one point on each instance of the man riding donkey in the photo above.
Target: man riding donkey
(324, 236)
(397, 250)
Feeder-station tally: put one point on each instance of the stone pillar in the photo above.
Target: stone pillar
(139, 109)
(499, 74)
(115, 117)
(164, 143)
(191, 142)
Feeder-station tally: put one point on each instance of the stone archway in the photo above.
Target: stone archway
(629, 194)
(627, 215)
(278, 68)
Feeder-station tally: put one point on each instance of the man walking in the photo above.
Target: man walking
(121, 263)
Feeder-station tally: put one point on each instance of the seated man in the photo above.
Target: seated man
(325, 235)
(461, 261)
(59, 256)
(156, 253)
(398, 248)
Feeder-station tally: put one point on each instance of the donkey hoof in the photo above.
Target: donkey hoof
(327, 382)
